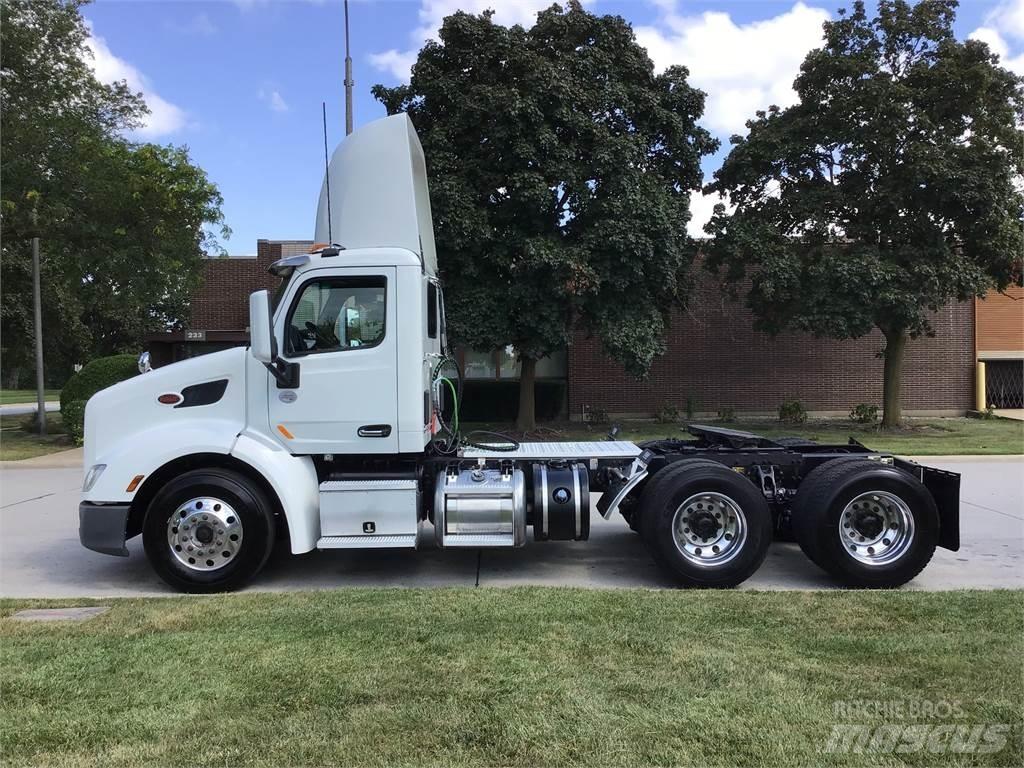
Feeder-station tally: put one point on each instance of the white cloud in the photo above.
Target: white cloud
(164, 117)
(433, 12)
(1003, 21)
(397, 63)
(201, 25)
(273, 99)
(1009, 17)
(701, 208)
(742, 67)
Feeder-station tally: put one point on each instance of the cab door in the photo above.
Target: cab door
(339, 327)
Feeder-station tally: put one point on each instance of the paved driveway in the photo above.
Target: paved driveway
(40, 555)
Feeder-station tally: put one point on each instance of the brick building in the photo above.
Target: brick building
(715, 358)
(220, 309)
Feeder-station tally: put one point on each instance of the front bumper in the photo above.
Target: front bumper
(101, 527)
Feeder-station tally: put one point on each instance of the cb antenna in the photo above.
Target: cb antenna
(327, 176)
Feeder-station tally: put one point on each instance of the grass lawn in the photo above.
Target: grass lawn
(9, 396)
(16, 443)
(526, 677)
(917, 437)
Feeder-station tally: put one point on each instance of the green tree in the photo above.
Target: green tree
(123, 225)
(560, 168)
(890, 189)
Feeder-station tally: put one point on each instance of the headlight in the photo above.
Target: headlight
(92, 476)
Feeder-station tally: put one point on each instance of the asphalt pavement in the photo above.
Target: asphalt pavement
(40, 555)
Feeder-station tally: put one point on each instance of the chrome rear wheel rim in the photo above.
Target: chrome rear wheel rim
(204, 534)
(876, 528)
(709, 529)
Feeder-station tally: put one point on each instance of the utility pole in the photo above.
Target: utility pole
(348, 79)
(37, 312)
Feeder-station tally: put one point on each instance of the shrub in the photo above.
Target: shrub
(863, 413)
(668, 414)
(726, 414)
(95, 375)
(792, 412)
(72, 415)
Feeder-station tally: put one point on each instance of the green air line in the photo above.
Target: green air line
(455, 400)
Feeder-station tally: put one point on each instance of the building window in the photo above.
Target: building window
(504, 364)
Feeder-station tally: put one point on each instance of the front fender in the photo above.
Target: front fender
(293, 479)
(144, 452)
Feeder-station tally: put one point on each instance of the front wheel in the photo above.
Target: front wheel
(208, 530)
(704, 524)
(867, 524)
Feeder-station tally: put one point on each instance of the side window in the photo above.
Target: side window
(337, 313)
(432, 310)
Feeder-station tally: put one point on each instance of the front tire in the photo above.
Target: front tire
(704, 524)
(867, 524)
(208, 530)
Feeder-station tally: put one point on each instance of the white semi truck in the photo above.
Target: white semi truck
(335, 429)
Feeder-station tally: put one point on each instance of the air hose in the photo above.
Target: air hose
(450, 444)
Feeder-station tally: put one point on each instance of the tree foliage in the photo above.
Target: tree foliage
(123, 225)
(560, 168)
(890, 189)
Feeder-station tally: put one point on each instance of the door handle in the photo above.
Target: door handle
(374, 430)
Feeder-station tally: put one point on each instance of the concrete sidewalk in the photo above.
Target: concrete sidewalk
(40, 555)
(70, 459)
(23, 409)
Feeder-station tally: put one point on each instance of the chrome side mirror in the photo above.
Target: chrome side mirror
(145, 366)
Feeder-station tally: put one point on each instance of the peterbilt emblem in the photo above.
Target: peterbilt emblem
(287, 396)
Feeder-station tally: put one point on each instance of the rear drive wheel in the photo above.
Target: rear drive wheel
(208, 530)
(704, 524)
(867, 524)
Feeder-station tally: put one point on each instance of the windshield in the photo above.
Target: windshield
(278, 293)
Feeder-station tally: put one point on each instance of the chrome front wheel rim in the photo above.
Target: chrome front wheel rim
(876, 528)
(709, 529)
(204, 534)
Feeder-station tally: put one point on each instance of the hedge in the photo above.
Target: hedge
(95, 375)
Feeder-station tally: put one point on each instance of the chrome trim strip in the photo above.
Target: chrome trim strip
(576, 491)
(544, 496)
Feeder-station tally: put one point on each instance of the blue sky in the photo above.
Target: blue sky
(240, 82)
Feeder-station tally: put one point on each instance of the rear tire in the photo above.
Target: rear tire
(867, 524)
(209, 530)
(704, 524)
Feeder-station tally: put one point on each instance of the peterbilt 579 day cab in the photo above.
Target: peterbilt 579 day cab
(334, 430)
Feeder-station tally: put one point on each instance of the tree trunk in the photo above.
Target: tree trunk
(527, 417)
(892, 381)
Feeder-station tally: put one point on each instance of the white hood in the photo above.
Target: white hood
(379, 197)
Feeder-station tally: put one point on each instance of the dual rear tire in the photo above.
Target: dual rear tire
(867, 524)
(704, 524)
